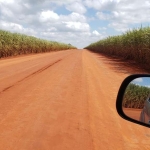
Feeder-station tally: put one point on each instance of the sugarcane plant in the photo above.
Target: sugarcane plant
(12, 44)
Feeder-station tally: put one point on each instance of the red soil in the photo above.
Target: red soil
(65, 101)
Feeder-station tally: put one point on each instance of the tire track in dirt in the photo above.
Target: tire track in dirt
(50, 111)
(20, 69)
(31, 75)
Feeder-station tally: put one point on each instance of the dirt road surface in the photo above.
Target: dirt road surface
(133, 113)
(65, 101)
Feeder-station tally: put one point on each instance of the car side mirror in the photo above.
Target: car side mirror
(133, 99)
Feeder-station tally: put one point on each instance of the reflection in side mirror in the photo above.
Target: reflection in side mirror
(136, 100)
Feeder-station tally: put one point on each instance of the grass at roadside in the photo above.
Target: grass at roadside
(12, 44)
(135, 96)
(132, 45)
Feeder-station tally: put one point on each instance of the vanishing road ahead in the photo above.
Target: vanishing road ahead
(65, 101)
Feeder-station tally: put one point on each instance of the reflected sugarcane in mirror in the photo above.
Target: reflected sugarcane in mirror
(136, 100)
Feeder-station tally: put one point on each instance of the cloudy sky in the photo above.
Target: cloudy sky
(79, 22)
(143, 81)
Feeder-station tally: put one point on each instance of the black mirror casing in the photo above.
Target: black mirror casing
(120, 96)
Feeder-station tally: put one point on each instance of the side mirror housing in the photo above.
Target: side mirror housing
(133, 99)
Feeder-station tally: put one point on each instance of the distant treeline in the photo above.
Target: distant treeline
(135, 96)
(12, 44)
(133, 45)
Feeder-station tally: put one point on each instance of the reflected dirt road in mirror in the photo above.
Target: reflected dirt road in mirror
(132, 113)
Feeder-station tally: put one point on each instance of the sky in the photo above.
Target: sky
(78, 22)
(143, 81)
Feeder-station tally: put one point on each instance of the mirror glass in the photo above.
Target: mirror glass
(136, 100)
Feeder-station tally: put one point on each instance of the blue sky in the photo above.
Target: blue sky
(79, 22)
(144, 81)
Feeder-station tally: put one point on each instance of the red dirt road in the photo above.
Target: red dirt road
(133, 113)
(64, 101)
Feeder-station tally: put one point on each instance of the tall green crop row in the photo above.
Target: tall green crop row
(135, 96)
(133, 45)
(15, 44)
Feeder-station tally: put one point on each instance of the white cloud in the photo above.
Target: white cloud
(76, 7)
(138, 80)
(66, 2)
(6, 12)
(51, 29)
(48, 16)
(17, 28)
(96, 33)
(12, 26)
(101, 4)
(77, 26)
(119, 26)
(64, 23)
(7, 2)
(103, 16)
(121, 14)
(73, 17)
